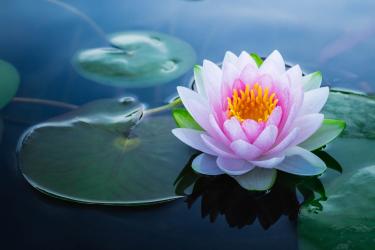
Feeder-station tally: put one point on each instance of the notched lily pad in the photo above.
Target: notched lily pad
(9, 81)
(104, 153)
(137, 59)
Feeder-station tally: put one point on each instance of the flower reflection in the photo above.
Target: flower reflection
(223, 196)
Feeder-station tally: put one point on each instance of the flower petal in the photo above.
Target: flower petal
(193, 139)
(206, 164)
(212, 75)
(266, 138)
(230, 74)
(273, 65)
(234, 166)
(314, 101)
(329, 130)
(249, 74)
(234, 130)
(196, 105)
(258, 179)
(198, 78)
(300, 161)
(252, 129)
(268, 163)
(275, 116)
(218, 147)
(245, 150)
(217, 132)
(312, 81)
(308, 125)
(285, 143)
(230, 58)
(245, 59)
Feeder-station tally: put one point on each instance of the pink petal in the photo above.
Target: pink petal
(196, 105)
(266, 138)
(230, 58)
(252, 129)
(273, 65)
(245, 150)
(294, 76)
(216, 131)
(193, 139)
(218, 147)
(212, 75)
(308, 125)
(300, 161)
(245, 59)
(234, 130)
(233, 166)
(249, 74)
(268, 163)
(206, 164)
(314, 101)
(275, 116)
(265, 81)
(288, 123)
(212, 80)
(284, 144)
(230, 74)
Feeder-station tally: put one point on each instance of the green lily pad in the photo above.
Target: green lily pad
(356, 110)
(9, 81)
(347, 219)
(104, 153)
(138, 59)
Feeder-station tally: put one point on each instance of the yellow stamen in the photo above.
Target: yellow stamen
(253, 103)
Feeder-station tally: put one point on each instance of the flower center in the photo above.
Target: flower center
(253, 103)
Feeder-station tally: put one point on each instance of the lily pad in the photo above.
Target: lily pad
(9, 81)
(137, 59)
(356, 110)
(104, 153)
(347, 218)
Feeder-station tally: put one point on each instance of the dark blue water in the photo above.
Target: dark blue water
(40, 39)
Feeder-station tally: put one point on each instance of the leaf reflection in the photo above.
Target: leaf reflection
(223, 196)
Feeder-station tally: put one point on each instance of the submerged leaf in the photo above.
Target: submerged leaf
(138, 59)
(9, 81)
(103, 154)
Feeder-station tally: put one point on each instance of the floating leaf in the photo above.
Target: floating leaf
(137, 59)
(9, 81)
(356, 110)
(103, 154)
(347, 219)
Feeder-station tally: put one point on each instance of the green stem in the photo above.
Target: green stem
(163, 108)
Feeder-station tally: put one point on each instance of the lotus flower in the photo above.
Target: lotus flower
(256, 120)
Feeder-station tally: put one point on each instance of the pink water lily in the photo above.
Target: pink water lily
(254, 119)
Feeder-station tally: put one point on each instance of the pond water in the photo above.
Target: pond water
(41, 40)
